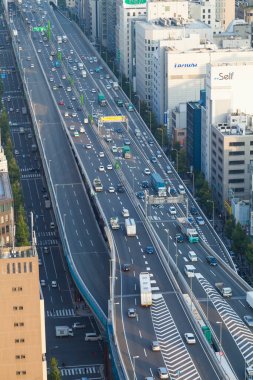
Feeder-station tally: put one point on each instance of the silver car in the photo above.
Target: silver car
(248, 319)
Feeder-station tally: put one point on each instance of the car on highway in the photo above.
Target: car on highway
(52, 225)
(120, 188)
(108, 86)
(147, 171)
(145, 184)
(131, 312)
(153, 159)
(101, 168)
(91, 71)
(168, 169)
(72, 127)
(125, 213)
(93, 90)
(53, 69)
(200, 220)
(53, 284)
(150, 249)
(172, 192)
(68, 89)
(76, 134)
(119, 130)
(73, 98)
(86, 120)
(111, 189)
(16, 151)
(69, 107)
(181, 189)
(211, 261)
(109, 167)
(163, 373)
(179, 238)
(248, 319)
(172, 210)
(101, 154)
(114, 149)
(127, 142)
(190, 338)
(88, 146)
(140, 195)
(45, 250)
(126, 267)
(74, 114)
(66, 114)
(63, 77)
(61, 103)
(193, 210)
(155, 346)
(32, 65)
(158, 154)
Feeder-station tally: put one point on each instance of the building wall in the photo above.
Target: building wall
(204, 11)
(21, 354)
(194, 135)
(225, 12)
(166, 9)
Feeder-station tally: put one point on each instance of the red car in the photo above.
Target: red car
(61, 103)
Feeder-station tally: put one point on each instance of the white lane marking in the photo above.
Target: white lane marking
(140, 334)
(212, 272)
(145, 352)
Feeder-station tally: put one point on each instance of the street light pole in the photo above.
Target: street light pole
(168, 246)
(210, 201)
(193, 182)
(150, 114)
(134, 358)
(176, 257)
(139, 102)
(176, 157)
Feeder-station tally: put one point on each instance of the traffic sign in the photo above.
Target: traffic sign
(113, 119)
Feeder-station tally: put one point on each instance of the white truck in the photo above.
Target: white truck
(249, 298)
(114, 222)
(47, 203)
(225, 291)
(80, 65)
(83, 73)
(188, 230)
(64, 38)
(130, 227)
(145, 289)
(63, 331)
(59, 39)
(97, 184)
(115, 85)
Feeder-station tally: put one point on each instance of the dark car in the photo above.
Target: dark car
(211, 261)
(119, 130)
(140, 195)
(173, 192)
(120, 188)
(126, 267)
(193, 210)
(150, 249)
(145, 184)
(179, 238)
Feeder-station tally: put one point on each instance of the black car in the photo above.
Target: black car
(179, 238)
(193, 210)
(211, 261)
(173, 192)
(145, 184)
(126, 267)
(120, 188)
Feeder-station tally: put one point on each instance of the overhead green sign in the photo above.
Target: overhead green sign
(39, 28)
(135, 2)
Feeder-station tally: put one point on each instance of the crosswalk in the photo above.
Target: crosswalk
(84, 370)
(61, 313)
(175, 355)
(30, 176)
(237, 328)
(43, 239)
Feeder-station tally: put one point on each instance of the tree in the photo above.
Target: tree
(240, 240)
(55, 373)
(249, 252)
(22, 231)
(229, 227)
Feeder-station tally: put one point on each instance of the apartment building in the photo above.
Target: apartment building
(225, 12)
(205, 11)
(22, 329)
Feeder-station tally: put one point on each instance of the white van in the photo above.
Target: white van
(91, 337)
(181, 189)
(189, 270)
(192, 256)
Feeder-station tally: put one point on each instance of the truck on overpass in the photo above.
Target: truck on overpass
(101, 99)
(145, 289)
(188, 230)
(158, 185)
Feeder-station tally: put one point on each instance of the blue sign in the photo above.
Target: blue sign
(3, 75)
(165, 118)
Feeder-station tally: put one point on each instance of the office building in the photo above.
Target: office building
(178, 123)
(225, 12)
(193, 142)
(22, 330)
(205, 11)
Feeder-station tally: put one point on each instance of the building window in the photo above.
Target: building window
(236, 180)
(13, 268)
(240, 162)
(237, 143)
(239, 190)
(237, 153)
(239, 171)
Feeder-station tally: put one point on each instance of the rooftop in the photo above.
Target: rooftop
(18, 252)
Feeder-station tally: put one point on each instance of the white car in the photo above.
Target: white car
(172, 210)
(200, 220)
(111, 189)
(147, 171)
(88, 146)
(42, 282)
(108, 86)
(73, 98)
(109, 167)
(181, 189)
(125, 213)
(86, 120)
(39, 50)
(93, 90)
(54, 284)
(76, 134)
(74, 114)
(155, 346)
(114, 149)
(190, 338)
(163, 373)
(101, 168)
(53, 69)
(78, 325)
(68, 89)
(101, 154)
(63, 76)
(72, 127)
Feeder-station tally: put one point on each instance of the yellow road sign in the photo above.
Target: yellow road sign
(113, 119)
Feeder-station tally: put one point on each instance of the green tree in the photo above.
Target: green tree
(22, 232)
(55, 373)
(229, 227)
(249, 252)
(1, 89)
(240, 240)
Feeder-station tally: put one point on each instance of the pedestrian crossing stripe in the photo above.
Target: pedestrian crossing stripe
(81, 370)
(61, 313)
(29, 176)
(43, 243)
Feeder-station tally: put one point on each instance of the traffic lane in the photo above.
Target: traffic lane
(72, 350)
(200, 357)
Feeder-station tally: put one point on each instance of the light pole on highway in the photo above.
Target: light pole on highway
(132, 168)
(176, 257)
(168, 246)
(150, 114)
(64, 219)
(134, 358)
(220, 323)
(139, 102)
(176, 157)
(210, 201)
(193, 182)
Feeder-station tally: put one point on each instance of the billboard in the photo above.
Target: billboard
(113, 119)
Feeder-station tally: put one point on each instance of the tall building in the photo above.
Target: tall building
(225, 12)
(193, 142)
(22, 330)
(205, 11)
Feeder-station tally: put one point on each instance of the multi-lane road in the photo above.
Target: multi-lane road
(60, 88)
